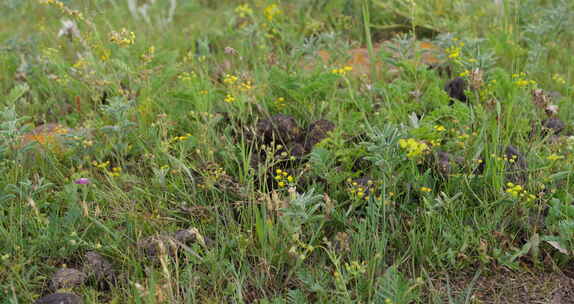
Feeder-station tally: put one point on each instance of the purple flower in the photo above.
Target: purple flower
(82, 181)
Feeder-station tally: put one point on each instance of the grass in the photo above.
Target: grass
(301, 180)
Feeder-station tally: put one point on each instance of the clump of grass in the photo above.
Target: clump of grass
(301, 182)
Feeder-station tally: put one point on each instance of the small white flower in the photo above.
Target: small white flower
(69, 29)
(551, 109)
(230, 51)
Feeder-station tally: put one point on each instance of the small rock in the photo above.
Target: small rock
(455, 89)
(97, 266)
(68, 278)
(60, 298)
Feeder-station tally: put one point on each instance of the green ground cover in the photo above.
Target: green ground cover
(343, 151)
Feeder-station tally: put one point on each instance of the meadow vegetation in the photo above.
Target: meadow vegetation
(304, 151)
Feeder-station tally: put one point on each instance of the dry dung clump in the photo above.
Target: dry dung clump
(279, 128)
(315, 133)
(284, 130)
(98, 267)
(455, 89)
(66, 278)
(60, 298)
(444, 163)
(552, 126)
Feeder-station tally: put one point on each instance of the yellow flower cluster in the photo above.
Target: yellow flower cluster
(230, 79)
(123, 38)
(80, 64)
(52, 2)
(554, 157)
(413, 147)
(272, 11)
(435, 142)
(426, 189)
(245, 86)
(243, 10)
(103, 53)
(559, 79)
(103, 165)
(70, 12)
(212, 176)
(180, 138)
(453, 52)
(280, 102)
(521, 81)
(517, 191)
(186, 76)
(359, 191)
(511, 159)
(116, 171)
(283, 178)
(229, 98)
(439, 128)
(355, 268)
(342, 71)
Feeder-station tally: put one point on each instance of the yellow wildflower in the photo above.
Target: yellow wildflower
(559, 79)
(554, 157)
(229, 79)
(243, 10)
(246, 86)
(123, 38)
(426, 189)
(229, 98)
(413, 147)
(342, 71)
(440, 128)
(272, 11)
